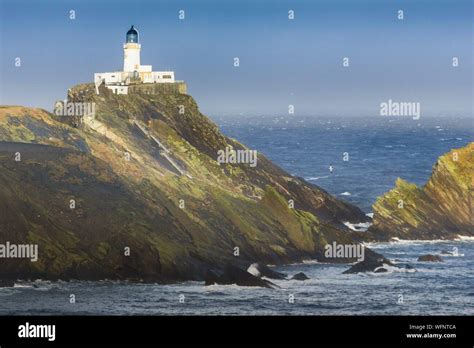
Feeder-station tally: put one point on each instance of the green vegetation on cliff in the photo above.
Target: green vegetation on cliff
(129, 194)
(442, 209)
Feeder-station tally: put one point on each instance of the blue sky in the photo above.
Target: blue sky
(282, 62)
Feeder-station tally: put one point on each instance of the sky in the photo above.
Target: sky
(283, 62)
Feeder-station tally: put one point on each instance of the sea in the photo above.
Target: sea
(356, 159)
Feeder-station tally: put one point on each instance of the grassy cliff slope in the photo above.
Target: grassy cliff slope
(177, 223)
(442, 209)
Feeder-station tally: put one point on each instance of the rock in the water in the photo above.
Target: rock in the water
(300, 276)
(6, 283)
(370, 264)
(380, 270)
(234, 275)
(259, 270)
(430, 258)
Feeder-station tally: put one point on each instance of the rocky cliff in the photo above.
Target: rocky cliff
(442, 209)
(142, 176)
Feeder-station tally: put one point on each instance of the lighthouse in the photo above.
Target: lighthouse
(131, 51)
(134, 74)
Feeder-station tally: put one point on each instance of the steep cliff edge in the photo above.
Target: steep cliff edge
(442, 209)
(143, 175)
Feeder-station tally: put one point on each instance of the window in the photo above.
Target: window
(166, 76)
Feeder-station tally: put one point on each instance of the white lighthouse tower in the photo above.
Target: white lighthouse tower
(131, 51)
(133, 72)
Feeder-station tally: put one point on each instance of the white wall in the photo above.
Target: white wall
(118, 89)
(109, 77)
(163, 76)
(131, 57)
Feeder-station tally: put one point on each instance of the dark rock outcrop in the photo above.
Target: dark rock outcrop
(300, 276)
(6, 283)
(430, 258)
(369, 264)
(260, 270)
(380, 270)
(235, 275)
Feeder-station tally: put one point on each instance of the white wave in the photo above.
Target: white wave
(358, 227)
(392, 269)
(370, 215)
(314, 178)
(230, 287)
(345, 194)
(398, 241)
(16, 285)
(451, 255)
(431, 241)
(464, 238)
(310, 262)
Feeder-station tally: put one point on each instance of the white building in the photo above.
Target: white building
(133, 72)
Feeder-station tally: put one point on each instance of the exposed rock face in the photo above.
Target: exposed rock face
(135, 216)
(234, 275)
(260, 270)
(371, 263)
(430, 258)
(442, 209)
(6, 283)
(300, 276)
(380, 270)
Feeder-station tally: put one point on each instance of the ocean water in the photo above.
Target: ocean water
(379, 151)
(434, 288)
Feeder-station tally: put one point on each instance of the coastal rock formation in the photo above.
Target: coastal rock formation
(260, 270)
(380, 270)
(371, 263)
(135, 192)
(6, 283)
(442, 209)
(430, 258)
(234, 275)
(300, 276)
